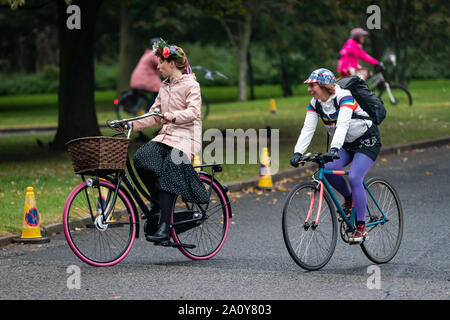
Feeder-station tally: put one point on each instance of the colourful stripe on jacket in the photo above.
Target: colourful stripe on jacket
(348, 101)
(311, 108)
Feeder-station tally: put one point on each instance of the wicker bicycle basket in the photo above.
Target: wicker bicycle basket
(98, 153)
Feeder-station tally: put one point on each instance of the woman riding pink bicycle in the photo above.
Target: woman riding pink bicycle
(352, 52)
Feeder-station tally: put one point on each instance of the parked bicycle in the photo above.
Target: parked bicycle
(101, 219)
(209, 75)
(311, 238)
(397, 94)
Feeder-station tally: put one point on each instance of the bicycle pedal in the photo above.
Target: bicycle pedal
(169, 243)
(166, 243)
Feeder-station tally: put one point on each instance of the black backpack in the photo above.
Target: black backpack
(366, 99)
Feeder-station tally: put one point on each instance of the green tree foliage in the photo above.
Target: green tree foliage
(287, 39)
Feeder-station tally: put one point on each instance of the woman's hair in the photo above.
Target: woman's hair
(328, 87)
(180, 62)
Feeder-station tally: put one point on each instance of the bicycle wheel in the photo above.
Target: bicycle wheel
(385, 237)
(310, 246)
(207, 230)
(95, 241)
(205, 107)
(400, 95)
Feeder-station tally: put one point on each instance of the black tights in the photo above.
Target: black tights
(150, 180)
(166, 200)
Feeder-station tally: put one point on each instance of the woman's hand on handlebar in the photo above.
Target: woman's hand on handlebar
(168, 117)
(118, 125)
(331, 155)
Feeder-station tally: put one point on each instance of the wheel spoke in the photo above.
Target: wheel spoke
(310, 247)
(210, 233)
(93, 243)
(385, 237)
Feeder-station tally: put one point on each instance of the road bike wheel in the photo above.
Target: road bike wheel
(205, 107)
(209, 230)
(310, 247)
(384, 238)
(400, 94)
(93, 240)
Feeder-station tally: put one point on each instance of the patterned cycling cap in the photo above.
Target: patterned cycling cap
(321, 75)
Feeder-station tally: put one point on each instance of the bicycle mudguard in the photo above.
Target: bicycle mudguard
(224, 189)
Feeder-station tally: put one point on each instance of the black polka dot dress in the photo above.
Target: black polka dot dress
(173, 170)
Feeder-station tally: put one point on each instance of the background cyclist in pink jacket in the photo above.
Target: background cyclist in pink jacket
(352, 52)
(146, 75)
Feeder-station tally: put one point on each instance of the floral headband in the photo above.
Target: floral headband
(164, 50)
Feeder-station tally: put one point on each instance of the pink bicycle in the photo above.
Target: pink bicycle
(101, 219)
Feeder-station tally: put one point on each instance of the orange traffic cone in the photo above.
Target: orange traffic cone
(273, 106)
(31, 232)
(265, 178)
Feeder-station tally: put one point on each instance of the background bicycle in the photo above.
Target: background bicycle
(209, 75)
(101, 218)
(396, 93)
(310, 219)
(133, 102)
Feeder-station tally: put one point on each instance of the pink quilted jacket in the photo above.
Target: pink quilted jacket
(145, 76)
(351, 53)
(182, 97)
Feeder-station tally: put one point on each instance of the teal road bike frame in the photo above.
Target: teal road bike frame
(321, 179)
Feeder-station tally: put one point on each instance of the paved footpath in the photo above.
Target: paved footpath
(254, 263)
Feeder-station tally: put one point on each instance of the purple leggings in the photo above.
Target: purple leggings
(361, 164)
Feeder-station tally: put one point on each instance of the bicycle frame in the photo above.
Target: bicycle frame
(378, 80)
(322, 181)
(134, 188)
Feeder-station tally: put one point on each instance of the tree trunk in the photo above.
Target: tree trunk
(242, 54)
(76, 115)
(129, 51)
(251, 78)
(286, 83)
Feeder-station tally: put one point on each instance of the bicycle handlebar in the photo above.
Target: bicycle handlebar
(119, 125)
(316, 157)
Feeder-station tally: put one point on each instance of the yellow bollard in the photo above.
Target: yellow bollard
(196, 162)
(265, 178)
(31, 232)
(273, 106)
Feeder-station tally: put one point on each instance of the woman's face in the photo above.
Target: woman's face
(166, 68)
(318, 92)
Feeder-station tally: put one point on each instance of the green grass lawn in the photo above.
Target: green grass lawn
(23, 163)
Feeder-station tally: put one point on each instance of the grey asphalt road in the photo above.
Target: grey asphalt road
(254, 263)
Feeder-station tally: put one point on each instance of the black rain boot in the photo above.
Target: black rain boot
(166, 200)
(161, 235)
